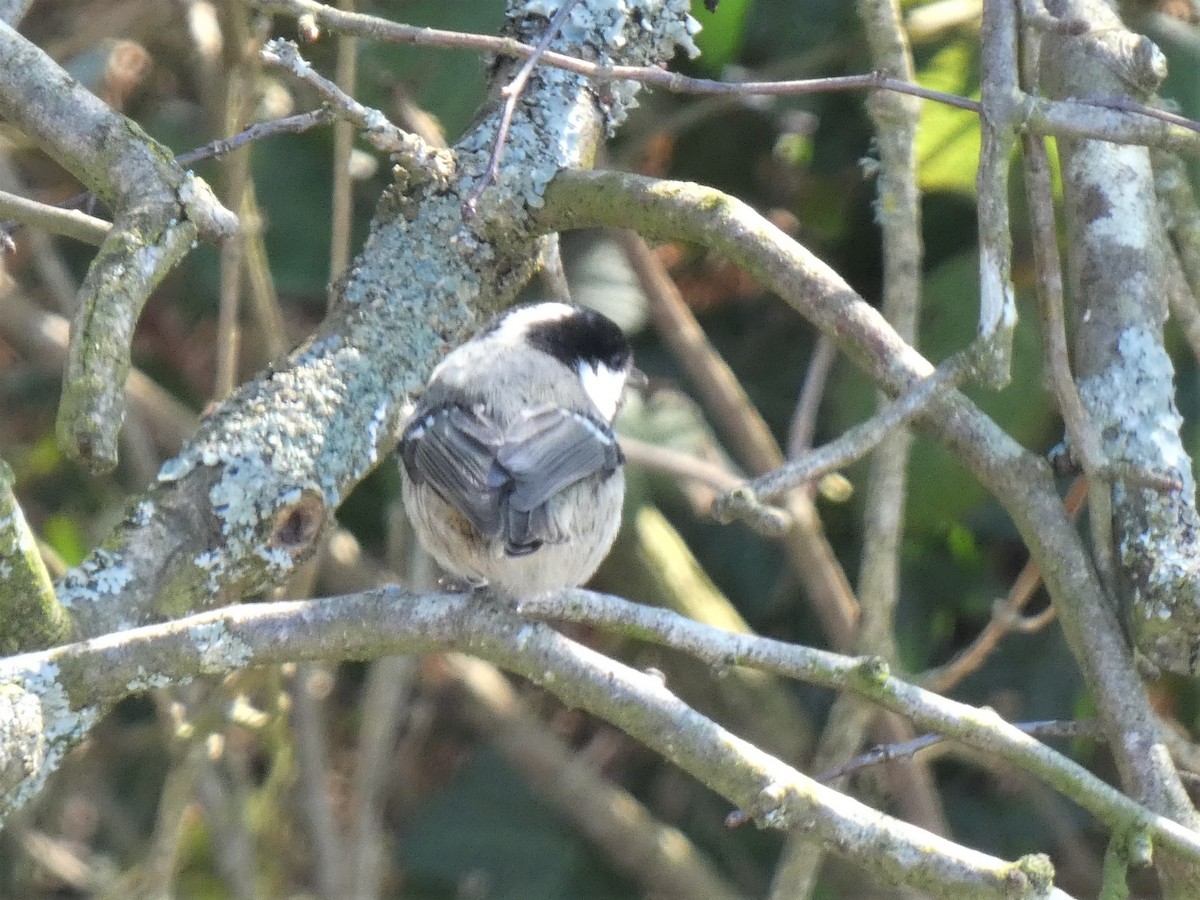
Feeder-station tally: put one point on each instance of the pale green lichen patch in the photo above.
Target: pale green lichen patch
(62, 725)
(149, 681)
(218, 651)
(625, 32)
(1132, 405)
(101, 574)
(1123, 172)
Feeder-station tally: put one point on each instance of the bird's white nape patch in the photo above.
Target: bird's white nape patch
(603, 386)
(514, 325)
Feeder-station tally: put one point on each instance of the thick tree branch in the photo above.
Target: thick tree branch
(50, 699)
(245, 502)
(1117, 270)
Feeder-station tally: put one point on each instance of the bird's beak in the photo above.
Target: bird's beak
(636, 378)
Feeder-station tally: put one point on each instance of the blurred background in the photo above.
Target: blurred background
(437, 777)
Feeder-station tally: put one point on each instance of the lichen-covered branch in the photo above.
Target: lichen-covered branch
(50, 699)
(1117, 268)
(246, 500)
(159, 211)
(30, 614)
(998, 128)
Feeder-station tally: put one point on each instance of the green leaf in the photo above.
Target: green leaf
(64, 535)
(948, 138)
(720, 40)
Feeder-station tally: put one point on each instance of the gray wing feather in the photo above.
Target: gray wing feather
(454, 451)
(551, 450)
(502, 481)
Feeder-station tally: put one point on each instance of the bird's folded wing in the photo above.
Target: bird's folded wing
(454, 451)
(550, 450)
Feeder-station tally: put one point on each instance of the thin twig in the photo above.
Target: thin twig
(237, 97)
(409, 151)
(384, 698)
(898, 210)
(804, 419)
(852, 445)
(296, 124)
(343, 146)
(890, 752)
(809, 552)
(673, 462)
(1125, 104)
(309, 725)
(67, 222)
(511, 93)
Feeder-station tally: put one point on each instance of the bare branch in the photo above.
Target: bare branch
(981, 729)
(159, 211)
(68, 222)
(79, 681)
(421, 161)
(851, 446)
(1019, 480)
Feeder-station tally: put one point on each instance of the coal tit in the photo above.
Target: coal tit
(511, 472)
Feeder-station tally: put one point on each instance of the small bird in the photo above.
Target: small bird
(511, 472)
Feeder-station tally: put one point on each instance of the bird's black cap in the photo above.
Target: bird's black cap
(572, 334)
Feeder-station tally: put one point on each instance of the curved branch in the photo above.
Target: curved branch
(1019, 480)
(868, 677)
(61, 692)
(159, 211)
